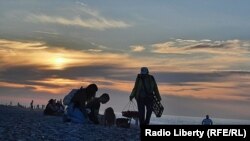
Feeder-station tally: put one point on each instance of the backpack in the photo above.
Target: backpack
(68, 97)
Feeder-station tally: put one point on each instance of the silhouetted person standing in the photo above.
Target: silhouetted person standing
(31, 105)
(143, 91)
(207, 121)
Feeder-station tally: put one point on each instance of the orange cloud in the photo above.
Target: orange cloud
(15, 53)
(137, 48)
(44, 57)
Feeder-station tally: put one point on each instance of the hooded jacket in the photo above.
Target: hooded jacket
(150, 83)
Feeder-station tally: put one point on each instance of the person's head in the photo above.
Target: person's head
(207, 116)
(91, 90)
(109, 110)
(144, 70)
(104, 98)
(51, 101)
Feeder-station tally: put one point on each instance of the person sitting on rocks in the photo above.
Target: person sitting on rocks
(51, 108)
(109, 117)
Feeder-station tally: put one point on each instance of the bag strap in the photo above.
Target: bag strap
(128, 105)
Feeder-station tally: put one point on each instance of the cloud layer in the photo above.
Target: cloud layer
(49, 47)
(94, 23)
(206, 78)
(91, 19)
(180, 46)
(137, 48)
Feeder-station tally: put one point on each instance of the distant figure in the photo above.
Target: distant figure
(43, 107)
(145, 87)
(10, 103)
(31, 105)
(76, 108)
(207, 121)
(94, 106)
(37, 106)
(109, 117)
(20, 106)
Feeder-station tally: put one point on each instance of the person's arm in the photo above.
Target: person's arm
(134, 91)
(95, 107)
(79, 99)
(91, 103)
(96, 112)
(156, 90)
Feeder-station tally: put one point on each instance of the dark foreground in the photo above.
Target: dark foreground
(20, 124)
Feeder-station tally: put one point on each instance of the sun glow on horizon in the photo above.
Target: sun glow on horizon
(59, 62)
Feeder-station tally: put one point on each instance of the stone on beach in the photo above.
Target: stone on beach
(25, 125)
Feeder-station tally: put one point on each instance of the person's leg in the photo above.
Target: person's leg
(136, 122)
(149, 106)
(141, 110)
(75, 115)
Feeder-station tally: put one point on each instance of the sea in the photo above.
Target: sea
(187, 120)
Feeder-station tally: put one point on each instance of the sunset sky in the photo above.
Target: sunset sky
(197, 50)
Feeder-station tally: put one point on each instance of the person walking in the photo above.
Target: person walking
(144, 89)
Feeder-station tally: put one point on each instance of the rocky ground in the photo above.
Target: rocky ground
(19, 124)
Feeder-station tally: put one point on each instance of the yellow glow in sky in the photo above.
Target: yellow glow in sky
(59, 62)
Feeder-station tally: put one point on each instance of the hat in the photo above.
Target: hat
(144, 70)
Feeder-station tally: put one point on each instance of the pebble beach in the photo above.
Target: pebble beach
(21, 124)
